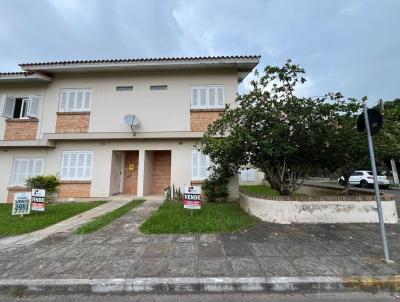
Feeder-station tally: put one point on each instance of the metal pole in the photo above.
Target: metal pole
(376, 184)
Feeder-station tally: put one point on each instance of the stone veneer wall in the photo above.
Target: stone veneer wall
(13, 190)
(74, 189)
(21, 129)
(72, 122)
(201, 118)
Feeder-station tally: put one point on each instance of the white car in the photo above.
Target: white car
(365, 179)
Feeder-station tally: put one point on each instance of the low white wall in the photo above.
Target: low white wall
(289, 211)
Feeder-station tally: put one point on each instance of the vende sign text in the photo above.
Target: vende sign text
(192, 198)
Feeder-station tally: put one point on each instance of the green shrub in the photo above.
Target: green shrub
(46, 182)
(215, 189)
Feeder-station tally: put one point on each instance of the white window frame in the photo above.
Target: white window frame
(74, 108)
(16, 175)
(30, 104)
(196, 102)
(76, 167)
(200, 171)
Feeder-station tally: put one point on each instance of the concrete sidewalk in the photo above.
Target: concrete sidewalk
(64, 226)
(266, 257)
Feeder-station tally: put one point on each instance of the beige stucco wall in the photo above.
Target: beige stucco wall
(181, 151)
(164, 110)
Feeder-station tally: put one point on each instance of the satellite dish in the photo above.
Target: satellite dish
(132, 120)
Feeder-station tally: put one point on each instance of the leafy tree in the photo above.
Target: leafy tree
(387, 141)
(348, 148)
(272, 129)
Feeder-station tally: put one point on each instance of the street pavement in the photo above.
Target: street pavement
(238, 297)
(265, 250)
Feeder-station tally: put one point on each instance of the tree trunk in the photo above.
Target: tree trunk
(346, 188)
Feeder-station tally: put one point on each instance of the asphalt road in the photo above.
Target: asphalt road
(209, 298)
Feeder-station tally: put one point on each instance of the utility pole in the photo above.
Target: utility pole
(376, 184)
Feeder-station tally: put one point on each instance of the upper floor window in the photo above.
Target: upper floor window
(24, 168)
(73, 100)
(20, 107)
(208, 97)
(76, 165)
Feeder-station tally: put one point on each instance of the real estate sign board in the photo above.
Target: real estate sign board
(192, 198)
(38, 196)
(22, 203)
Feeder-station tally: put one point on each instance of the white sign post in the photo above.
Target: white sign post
(22, 203)
(192, 198)
(38, 203)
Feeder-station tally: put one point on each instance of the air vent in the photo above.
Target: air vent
(159, 87)
(124, 88)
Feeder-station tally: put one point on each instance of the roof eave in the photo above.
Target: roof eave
(23, 77)
(240, 64)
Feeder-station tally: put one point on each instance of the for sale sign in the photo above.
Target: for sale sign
(22, 203)
(38, 203)
(192, 198)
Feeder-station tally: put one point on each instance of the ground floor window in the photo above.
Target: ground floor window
(247, 175)
(76, 165)
(24, 168)
(200, 165)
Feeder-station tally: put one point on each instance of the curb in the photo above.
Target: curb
(198, 285)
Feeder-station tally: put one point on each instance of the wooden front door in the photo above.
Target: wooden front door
(131, 172)
(161, 171)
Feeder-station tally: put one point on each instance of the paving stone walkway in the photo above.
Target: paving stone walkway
(65, 226)
(121, 251)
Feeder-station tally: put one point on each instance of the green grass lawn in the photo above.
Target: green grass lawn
(172, 218)
(266, 190)
(15, 225)
(261, 189)
(102, 221)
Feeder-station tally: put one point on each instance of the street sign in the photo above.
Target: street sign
(375, 121)
(38, 203)
(192, 198)
(22, 203)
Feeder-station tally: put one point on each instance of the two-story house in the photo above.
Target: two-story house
(67, 118)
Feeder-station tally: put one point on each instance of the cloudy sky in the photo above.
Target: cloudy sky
(351, 46)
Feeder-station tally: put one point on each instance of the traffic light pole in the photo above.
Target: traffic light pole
(376, 184)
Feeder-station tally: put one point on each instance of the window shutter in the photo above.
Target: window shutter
(194, 98)
(81, 165)
(38, 167)
(251, 175)
(220, 96)
(63, 101)
(14, 176)
(8, 107)
(71, 100)
(65, 164)
(87, 100)
(203, 97)
(211, 97)
(88, 165)
(79, 99)
(195, 164)
(33, 108)
(203, 164)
